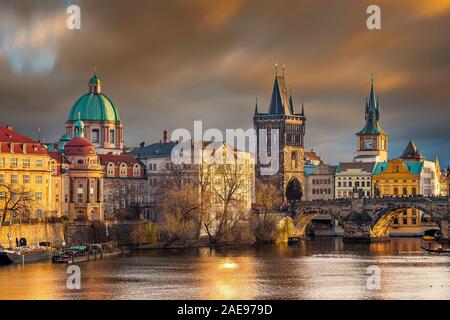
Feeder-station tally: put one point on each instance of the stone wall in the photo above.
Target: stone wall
(34, 233)
(128, 232)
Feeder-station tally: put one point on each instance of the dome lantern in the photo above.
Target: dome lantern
(95, 84)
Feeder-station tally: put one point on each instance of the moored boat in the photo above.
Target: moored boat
(23, 256)
(437, 250)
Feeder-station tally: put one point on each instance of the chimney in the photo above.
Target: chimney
(165, 134)
(9, 127)
(160, 143)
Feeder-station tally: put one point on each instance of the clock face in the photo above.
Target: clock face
(368, 144)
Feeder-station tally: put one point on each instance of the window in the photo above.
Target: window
(110, 169)
(395, 191)
(39, 214)
(2, 162)
(414, 191)
(13, 162)
(26, 163)
(405, 191)
(95, 136)
(2, 195)
(38, 163)
(414, 221)
(38, 196)
(405, 221)
(136, 170)
(14, 178)
(123, 170)
(38, 179)
(111, 136)
(2, 178)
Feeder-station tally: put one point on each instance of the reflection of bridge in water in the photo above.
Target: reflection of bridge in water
(380, 213)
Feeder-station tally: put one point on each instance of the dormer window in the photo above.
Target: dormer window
(136, 170)
(123, 170)
(110, 169)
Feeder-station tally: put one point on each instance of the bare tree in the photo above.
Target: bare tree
(180, 214)
(229, 189)
(15, 202)
(268, 199)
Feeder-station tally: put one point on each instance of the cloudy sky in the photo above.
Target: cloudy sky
(168, 63)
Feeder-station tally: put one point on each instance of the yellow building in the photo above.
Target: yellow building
(25, 169)
(400, 178)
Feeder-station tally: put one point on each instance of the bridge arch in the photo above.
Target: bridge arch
(303, 219)
(383, 218)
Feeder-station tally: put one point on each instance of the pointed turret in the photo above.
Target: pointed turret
(303, 109)
(279, 104)
(372, 114)
(291, 103)
(256, 106)
(411, 152)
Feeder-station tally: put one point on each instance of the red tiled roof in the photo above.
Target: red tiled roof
(55, 155)
(311, 155)
(117, 159)
(19, 142)
(79, 146)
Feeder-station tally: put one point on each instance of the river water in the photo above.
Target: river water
(324, 268)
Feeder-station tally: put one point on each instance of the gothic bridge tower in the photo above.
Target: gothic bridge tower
(281, 115)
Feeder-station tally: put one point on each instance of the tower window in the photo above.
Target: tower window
(111, 136)
(95, 136)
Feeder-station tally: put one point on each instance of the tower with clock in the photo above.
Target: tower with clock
(372, 140)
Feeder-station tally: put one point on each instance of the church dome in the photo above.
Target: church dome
(94, 106)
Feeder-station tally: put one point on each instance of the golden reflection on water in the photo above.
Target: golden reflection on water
(317, 269)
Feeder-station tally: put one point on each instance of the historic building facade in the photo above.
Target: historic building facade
(353, 179)
(25, 170)
(103, 126)
(319, 182)
(125, 187)
(163, 174)
(282, 116)
(372, 140)
(85, 174)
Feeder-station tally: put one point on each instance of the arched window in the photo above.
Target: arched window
(111, 136)
(405, 191)
(110, 169)
(123, 170)
(395, 191)
(414, 191)
(136, 170)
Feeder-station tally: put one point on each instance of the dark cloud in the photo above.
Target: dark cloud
(168, 63)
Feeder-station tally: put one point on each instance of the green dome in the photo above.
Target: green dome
(94, 107)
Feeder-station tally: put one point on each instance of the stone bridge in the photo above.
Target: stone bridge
(382, 211)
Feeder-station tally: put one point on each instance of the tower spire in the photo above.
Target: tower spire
(303, 108)
(256, 106)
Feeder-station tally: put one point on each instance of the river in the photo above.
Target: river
(324, 268)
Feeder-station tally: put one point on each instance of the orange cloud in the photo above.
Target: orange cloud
(215, 13)
(434, 8)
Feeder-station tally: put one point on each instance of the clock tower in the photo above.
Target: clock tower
(372, 140)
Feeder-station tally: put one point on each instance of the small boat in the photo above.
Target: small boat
(438, 250)
(9, 256)
(428, 238)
